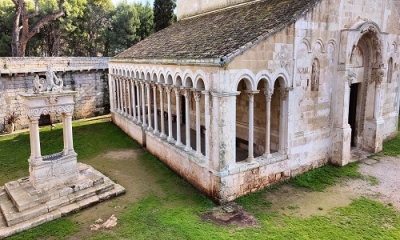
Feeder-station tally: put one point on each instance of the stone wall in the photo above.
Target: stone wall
(87, 76)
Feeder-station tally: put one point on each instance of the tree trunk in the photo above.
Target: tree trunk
(21, 22)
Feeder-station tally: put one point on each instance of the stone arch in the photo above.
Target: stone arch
(282, 76)
(264, 76)
(161, 78)
(188, 82)
(321, 44)
(306, 41)
(248, 78)
(362, 103)
(201, 75)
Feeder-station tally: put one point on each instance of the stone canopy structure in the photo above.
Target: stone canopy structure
(57, 183)
(238, 95)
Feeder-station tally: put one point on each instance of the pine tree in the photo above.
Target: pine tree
(163, 13)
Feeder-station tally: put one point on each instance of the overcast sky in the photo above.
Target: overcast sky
(133, 1)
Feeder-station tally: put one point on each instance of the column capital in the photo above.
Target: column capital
(168, 88)
(177, 90)
(268, 92)
(197, 96)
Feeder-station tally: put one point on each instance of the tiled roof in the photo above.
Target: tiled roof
(220, 34)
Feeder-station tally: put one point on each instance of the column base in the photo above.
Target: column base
(179, 144)
(170, 140)
(267, 155)
(188, 149)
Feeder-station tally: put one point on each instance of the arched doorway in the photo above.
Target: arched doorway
(365, 59)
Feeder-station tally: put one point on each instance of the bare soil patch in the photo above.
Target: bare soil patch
(125, 168)
(230, 214)
(300, 202)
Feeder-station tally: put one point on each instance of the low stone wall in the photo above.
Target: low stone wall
(87, 76)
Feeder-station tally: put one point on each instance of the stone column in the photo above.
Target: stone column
(377, 103)
(68, 125)
(150, 128)
(133, 99)
(197, 97)
(251, 126)
(161, 88)
(268, 94)
(129, 97)
(111, 89)
(283, 120)
(36, 154)
(155, 109)
(117, 89)
(187, 117)
(124, 105)
(143, 105)
(178, 117)
(139, 115)
(170, 138)
(65, 135)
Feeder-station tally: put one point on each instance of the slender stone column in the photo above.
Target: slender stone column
(129, 98)
(65, 135)
(118, 101)
(251, 126)
(133, 99)
(197, 97)
(187, 117)
(268, 94)
(35, 139)
(150, 128)
(178, 117)
(161, 89)
(68, 121)
(111, 83)
(170, 138)
(282, 122)
(143, 106)
(139, 120)
(155, 109)
(124, 105)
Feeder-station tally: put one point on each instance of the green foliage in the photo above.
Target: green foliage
(124, 23)
(6, 24)
(146, 18)
(57, 229)
(163, 13)
(176, 213)
(320, 178)
(88, 28)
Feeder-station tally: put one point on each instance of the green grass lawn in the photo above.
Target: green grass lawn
(176, 213)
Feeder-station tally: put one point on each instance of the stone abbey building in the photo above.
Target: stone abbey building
(241, 94)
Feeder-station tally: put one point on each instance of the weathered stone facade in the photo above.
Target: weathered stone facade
(87, 76)
(323, 79)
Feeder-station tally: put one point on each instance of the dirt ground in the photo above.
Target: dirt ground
(300, 202)
(124, 168)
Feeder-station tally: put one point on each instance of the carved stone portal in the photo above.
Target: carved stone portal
(60, 168)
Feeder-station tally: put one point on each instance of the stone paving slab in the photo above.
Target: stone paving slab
(90, 188)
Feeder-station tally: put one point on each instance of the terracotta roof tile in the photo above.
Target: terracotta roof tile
(220, 34)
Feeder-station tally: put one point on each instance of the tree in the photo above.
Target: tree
(163, 13)
(122, 32)
(146, 19)
(22, 31)
(6, 24)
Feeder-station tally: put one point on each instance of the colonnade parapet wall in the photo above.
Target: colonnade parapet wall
(86, 75)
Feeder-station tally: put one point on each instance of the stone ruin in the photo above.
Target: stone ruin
(57, 183)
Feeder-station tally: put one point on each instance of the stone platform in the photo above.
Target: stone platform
(23, 207)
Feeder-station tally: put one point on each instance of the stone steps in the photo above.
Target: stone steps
(23, 207)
